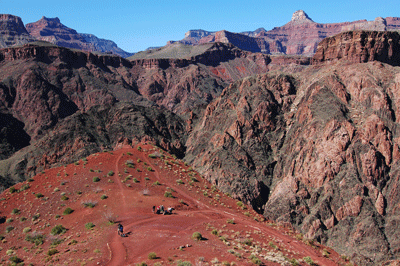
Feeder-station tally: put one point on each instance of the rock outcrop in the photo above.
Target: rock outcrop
(360, 47)
(13, 31)
(53, 31)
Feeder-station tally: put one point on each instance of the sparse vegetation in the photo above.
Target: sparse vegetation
(58, 230)
(197, 236)
(89, 203)
(36, 238)
(26, 230)
(152, 256)
(157, 183)
(39, 195)
(9, 229)
(96, 179)
(89, 226)
(12, 190)
(68, 211)
(15, 260)
(52, 252)
(308, 260)
(179, 182)
(110, 173)
(103, 197)
(168, 194)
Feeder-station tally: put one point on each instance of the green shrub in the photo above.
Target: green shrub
(64, 197)
(9, 220)
(152, 256)
(89, 226)
(197, 236)
(16, 260)
(230, 221)
(68, 211)
(9, 229)
(168, 194)
(52, 252)
(180, 182)
(294, 262)
(157, 183)
(111, 173)
(308, 260)
(39, 195)
(89, 204)
(149, 169)
(58, 230)
(24, 187)
(37, 239)
(13, 190)
(26, 230)
(135, 180)
(214, 232)
(183, 263)
(103, 197)
(96, 179)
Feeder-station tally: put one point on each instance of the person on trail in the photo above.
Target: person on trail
(154, 209)
(120, 230)
(162, 209)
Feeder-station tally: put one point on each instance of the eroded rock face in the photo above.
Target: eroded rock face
(53, 31)
(13, 31)
(323, 146)
(360, 47)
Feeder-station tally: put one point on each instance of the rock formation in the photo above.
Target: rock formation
(53, 31)
(12, 31)
(300, 36)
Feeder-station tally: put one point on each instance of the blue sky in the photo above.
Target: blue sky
(136, 25)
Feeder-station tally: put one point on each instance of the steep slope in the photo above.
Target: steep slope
(69, 215)
(52, 30)
(318, 149)
(13, 31)
(185, 78)
(51, 100)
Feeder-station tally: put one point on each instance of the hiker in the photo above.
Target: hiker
(158, 210)
(161, 209)
(120, 230)
(154, 209)
(168, 211)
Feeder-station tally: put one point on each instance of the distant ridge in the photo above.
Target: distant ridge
(300, 36)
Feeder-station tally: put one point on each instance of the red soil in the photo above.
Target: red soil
(199, 207)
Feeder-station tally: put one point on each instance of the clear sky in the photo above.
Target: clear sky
(138, 24)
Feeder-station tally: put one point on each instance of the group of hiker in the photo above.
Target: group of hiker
(161, 210)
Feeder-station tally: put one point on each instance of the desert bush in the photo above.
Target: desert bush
(64, 197)
(308, 260)
(13, 190)
(68, 211)
(248, 242)
(89, 203)
(35, 217)
(9, 229)
(26, 230)
(24, 187)
(110, 173)
(39, 195)
(35, 238)
(96, 179)
(89, 226)
(230, 221)
(157, 183)
(15, 260)
(214, 232)
(152, 256)
(168, 194)
(52, 252)
(197, 236)
(130, 164)
(103, 197)
(58, 230)
(255, 260)
(110, 217)
(180, 182)
(149, 169)
(194, 179)
(9, 220)
(183, 263)
(135, 180)
(294, 262)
